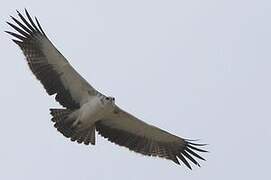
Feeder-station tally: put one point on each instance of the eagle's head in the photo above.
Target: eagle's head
(110, 100)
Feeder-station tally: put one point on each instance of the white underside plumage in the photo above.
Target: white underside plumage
(92, 111)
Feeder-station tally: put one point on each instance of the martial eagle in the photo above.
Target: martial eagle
(85, 109)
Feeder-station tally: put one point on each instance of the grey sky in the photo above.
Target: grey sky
(199, 69)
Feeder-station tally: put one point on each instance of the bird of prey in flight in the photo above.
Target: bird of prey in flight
(85, 109)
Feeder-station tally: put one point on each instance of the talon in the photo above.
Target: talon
(76, 124)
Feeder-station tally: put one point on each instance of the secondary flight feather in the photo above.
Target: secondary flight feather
(85, 109)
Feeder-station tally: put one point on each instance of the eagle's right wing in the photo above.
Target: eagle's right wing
(49, 65)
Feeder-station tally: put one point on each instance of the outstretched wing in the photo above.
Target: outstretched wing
(126, 130)
(48, 64)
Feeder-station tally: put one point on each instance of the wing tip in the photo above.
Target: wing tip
(189, 153)
(27, 26)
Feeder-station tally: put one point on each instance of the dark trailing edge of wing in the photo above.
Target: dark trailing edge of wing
(148, 147)
(28, 39)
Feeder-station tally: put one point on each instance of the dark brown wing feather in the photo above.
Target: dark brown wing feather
(126, 130)
(33, 41)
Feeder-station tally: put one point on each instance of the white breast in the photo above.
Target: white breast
(93, 111)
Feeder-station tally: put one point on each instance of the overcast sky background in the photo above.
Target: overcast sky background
(199, 69)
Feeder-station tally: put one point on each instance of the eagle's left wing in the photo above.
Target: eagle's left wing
(126, 130)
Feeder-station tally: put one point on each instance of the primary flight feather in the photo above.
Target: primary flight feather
(85, 109)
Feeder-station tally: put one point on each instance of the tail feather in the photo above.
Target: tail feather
(63, 122)
(90, 137)
(82, 137)
(59, 114)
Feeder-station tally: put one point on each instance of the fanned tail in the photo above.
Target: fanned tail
(64, 123)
